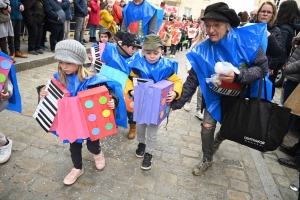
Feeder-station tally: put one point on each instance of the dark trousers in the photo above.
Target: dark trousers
(76, 155)
(288, 89)
(45, 29)
(3, 45)
(173, 49)
(179, 46)
(34, 36)
(130, 118)
(188, 45)
(14, 42)
(57, 34)
(272, 78)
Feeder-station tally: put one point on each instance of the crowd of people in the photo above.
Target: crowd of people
(136, 43)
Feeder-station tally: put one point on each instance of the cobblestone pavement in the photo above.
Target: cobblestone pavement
(39, 161)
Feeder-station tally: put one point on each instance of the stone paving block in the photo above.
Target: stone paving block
(179, 143)
(217, 169)
(166, 190)
(211, 191)
(232, 163)
(34, 152)
(175, 136)
(258, 195)
(283, 181)
(22, 193)
(195, 134)
(195, 147)
(210, 178)
(239, 185)
(248, 161)
(276, 169)
(190, 162)
(191, 139)
(44, 186)
(190, 153)
(2, 187)
(188, 183)
(29, 164)
(47, 170)
(236, 195)
(22, 179)
(168, 177)
(235, 173)
(171, 158)
(288, 194)
(254, 178)
(144, 183)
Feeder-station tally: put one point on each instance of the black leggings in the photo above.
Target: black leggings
(76, 155)
(3, 45)
(173, 49)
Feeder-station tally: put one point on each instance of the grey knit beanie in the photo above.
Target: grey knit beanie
(70, 51)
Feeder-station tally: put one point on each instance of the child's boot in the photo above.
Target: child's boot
(72, 176)
(132, 131)
(140, 151)
(147, 162)
(99, 160)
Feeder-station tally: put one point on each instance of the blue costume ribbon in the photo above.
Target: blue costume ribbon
(239, 47)
(75, 86)
(144, 12)
(14, 102)
(158, 71)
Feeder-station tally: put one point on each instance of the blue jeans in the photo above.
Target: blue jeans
(288, 89)
(93, 30)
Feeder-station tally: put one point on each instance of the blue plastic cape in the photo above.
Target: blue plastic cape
(239, 47)
(75, 86)
(158, 71)
(144, 12)
(113, 58)
(14, 102)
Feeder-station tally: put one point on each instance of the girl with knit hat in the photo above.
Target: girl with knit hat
(72, 74)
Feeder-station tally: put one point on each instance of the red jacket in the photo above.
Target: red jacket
(117, 14)
(94, 13)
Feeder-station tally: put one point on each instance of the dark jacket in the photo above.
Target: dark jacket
(50, 8)
(292, 70)
(274, 48)
(259, 66)
(15, 13)
(33, 12)
(288, 31)
(80, 8)
(66, 6)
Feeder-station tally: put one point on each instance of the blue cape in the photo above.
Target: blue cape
(14, 102)
(144, 12)
(75, 86)
(158, 71)
(111, 57)
(239, 47)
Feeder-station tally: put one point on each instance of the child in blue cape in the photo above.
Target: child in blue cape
(71, 56)
(152, 66)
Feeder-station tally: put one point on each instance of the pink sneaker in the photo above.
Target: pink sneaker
(72, 176)
(99, 160)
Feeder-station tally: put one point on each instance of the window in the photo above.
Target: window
(187, 11)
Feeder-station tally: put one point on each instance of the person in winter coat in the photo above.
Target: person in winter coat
(66, 6)
(80, 12)
(287, 21)
(16, 19)
(33, 17)
(107, 19)
(117, 11)
(55, 21)
(94, 18)
(267, 13)
(167, 39)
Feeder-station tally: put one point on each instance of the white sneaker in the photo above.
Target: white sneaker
(5, 152)
(199, 115)
(186, 107)
(173, 56)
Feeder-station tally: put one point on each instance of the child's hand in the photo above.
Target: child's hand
(43, 92)
(111, 104)
(171, 96)
(4, 96)
(132, 92)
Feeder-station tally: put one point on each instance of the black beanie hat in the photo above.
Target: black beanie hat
(221, 11)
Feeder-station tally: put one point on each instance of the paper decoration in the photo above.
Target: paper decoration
(192, 32)
(86, 115)
(129, 102)
(5, 65)
(150, 106)
(46, 111)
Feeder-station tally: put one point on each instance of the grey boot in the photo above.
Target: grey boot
(207, 137)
